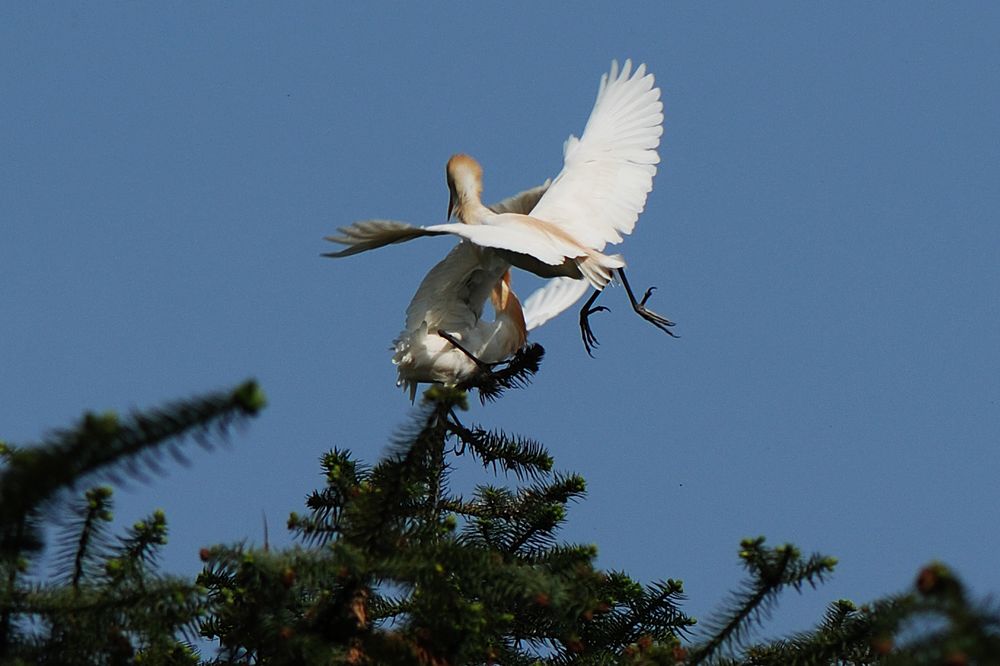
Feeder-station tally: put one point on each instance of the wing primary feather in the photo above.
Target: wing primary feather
(371, 234)
(608, 172)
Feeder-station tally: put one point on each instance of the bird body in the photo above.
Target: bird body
(451, 299)
(595, 199)
(558, 231)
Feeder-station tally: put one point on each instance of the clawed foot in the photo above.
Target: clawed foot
(589, 339)
(656, 320)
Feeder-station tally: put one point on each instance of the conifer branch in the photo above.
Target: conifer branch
(14, 564)
(387, 576)
(101, 442)
(82, 619)
(137, 551)
(541, 509)
(655, 613)
(85, 538)
(771, 570)
(410, 481)
(344, 479)
(526, 458)
(516, 373)
(846, 634)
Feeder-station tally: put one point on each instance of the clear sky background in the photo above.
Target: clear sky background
(823, 228)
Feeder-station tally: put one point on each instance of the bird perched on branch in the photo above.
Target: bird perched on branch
(446, 338)
(597, 197)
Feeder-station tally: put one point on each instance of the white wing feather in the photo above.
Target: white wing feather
(372, 234)
(548, 301)
(606, 177)
(608, 173)
(507, 231)
(517, 233)
(452, 294)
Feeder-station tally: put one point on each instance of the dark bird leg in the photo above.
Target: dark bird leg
(589, 339)
(656, 320)
(491, 382)
(485, 367)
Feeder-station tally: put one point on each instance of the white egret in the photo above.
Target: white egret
(597, 197)
(446, 339)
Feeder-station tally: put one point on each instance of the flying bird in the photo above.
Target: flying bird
(607, 174)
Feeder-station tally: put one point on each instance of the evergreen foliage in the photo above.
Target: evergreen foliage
(393, 566)
(104, 601)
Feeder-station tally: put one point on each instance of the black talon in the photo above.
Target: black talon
(589, 339)
(656, 320)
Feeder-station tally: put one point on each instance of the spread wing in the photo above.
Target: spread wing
(546, 302)
(371, 234)
(517, 233)
(608, 172)
(508, 231)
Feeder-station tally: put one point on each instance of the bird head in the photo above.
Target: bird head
(465, 181)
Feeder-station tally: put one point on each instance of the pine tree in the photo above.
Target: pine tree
(104, 601)
(393, 566)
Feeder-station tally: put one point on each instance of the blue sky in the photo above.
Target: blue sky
(823, 229)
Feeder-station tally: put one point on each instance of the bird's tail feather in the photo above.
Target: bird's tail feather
(597, 268)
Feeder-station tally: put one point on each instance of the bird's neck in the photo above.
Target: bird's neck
(470, 209)
(508, 307)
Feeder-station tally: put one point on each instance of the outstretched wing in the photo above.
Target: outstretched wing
(508, 231)
(371, 234)
(546, 302)
(608, 172)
